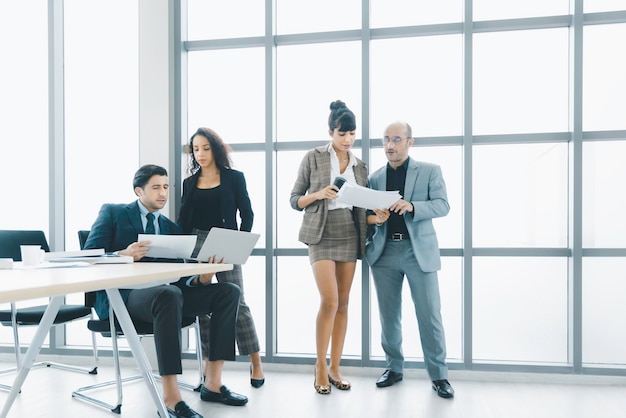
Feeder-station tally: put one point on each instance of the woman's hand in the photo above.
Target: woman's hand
(328, 192)
(206, 278)
(213, 260)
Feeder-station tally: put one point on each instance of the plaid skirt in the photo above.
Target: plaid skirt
(339, 241)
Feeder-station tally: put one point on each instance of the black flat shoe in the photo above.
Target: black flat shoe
(224, 396)
(388, 378)
(443, 388)
(255, 383)
(182, 410)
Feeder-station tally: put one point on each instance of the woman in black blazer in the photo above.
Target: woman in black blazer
(212, 196)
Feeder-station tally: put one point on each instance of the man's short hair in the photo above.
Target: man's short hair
(145, 173)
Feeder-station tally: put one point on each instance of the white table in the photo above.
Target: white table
(23, 284)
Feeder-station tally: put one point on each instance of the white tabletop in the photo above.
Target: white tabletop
(22, 284)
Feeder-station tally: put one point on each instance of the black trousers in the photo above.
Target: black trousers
(166, 306)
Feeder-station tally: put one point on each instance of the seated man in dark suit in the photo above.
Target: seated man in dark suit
(116, 230)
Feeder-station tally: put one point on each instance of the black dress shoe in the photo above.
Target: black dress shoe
(443, 388)
(224, 396)
(256, 383)
(182, 410)
(388, 378)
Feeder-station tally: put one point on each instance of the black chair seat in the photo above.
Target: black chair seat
(32, 315)
(143, 328)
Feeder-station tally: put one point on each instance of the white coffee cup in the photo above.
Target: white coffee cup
(31, 254)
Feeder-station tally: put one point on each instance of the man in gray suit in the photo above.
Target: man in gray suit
(404, 243)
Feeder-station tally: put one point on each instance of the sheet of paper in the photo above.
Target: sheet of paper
(49, 265)
(363, 197)
(169, 246)
(68, 254)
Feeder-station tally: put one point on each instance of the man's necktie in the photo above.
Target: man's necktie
(150, 224)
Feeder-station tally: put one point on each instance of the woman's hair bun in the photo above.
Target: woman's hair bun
(337, 104)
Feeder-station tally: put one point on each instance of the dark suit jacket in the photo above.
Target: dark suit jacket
(314, 175)
(234, 197)
(116, 227)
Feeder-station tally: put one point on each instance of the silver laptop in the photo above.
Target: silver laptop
(232, 245)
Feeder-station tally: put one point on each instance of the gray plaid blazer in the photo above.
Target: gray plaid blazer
(314, 175)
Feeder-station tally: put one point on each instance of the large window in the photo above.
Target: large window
(24, 140)
(101, 119)
(513, 111)
(520, 103)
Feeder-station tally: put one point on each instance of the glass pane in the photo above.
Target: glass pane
(604, 84)
(387, 13)
(24, 110)
(225, 19)
(309, 78)
(513, 9)
(451, 294)
(424, 86)
(288, 219)
(520, 309)
(604, 311)
(520, 81)
(592, 6)
(297, 306)
(226, 92)
(604, 224)
(252, 164)
(450, 159)
(520, 195)
(101, 108)
(317, 16)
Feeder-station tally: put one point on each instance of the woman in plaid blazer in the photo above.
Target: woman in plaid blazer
(335, 235)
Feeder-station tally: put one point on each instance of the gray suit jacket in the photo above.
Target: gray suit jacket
(314, 175)
(426, 190)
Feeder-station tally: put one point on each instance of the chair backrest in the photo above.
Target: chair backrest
(90, 297)
(10, 241)
(82, 238)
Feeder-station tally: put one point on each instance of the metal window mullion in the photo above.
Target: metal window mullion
(575, 175)
(365, 155)
(56, 139)
(271, 285)
(468, 50)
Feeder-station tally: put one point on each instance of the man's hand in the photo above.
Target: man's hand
(380, 216)
(401, 206)
(137, 250)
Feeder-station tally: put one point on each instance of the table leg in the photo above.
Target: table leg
(33, 350)
(115, 299)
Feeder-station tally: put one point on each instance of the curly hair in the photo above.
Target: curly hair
(219, 148)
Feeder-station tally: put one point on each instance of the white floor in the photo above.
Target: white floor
(289, 392)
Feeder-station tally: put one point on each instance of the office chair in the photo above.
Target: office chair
(10, 241)
(110, 328)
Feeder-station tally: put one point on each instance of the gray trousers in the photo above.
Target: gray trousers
(245, 331)
(397, 262)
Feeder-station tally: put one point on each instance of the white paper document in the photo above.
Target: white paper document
(364, 197)
(57, 255)
(169, 246)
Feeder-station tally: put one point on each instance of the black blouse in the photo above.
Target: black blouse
(210, 214)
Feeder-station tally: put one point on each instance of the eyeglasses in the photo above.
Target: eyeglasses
(394, 139)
